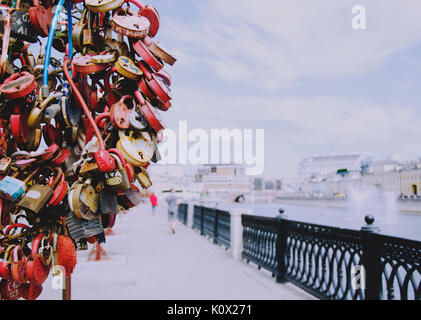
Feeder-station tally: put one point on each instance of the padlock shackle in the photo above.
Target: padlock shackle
(35, 245)
(102, 116)
(7, 257)
(16, 251)
(15, 226)
(83, 104)
(117, 160)
(108, 89)
(118, 153)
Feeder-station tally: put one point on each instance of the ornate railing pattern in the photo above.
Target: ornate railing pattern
(259, 241)
(324, 260)
(213, 223)
(401, 268)
(320, 259)
(182, 213)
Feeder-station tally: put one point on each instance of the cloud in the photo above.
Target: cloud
(303, 126)
(274, 44)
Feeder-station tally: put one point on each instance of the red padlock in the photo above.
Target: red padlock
(18, 266)
(120, 113)
(85, 65)
(18, 85)
(5, 271)
(150, 13)
(37, 268)
(151, 115)
(41, 18)
(143, 51)
(104, 161)
(59, 192)
(9, 290)
(30, 291)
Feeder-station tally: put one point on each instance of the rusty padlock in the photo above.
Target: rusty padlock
(120, 112)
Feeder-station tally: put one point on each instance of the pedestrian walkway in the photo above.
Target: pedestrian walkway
(147, 261)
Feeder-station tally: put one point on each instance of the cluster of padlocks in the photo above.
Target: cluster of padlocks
(77, 129)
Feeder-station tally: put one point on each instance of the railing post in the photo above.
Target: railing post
(371, 260)
(202, 209)
(281, 245)
(190, 214)
(236, 232)
(215, 226)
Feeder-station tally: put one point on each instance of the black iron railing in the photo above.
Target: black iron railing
(334, 263)
(213, 223)
(182, 213)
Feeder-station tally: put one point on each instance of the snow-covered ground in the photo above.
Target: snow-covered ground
(147, 261)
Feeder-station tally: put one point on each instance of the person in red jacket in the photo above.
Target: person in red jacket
(154, 202)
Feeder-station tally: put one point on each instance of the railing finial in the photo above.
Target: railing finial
(370, 227)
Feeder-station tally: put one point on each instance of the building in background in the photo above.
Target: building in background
(314, 167)
(339, 174)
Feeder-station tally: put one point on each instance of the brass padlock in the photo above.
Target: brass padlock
(143, 178)
(89, 168)
(5, 165)
(38, 195)
(118, 180)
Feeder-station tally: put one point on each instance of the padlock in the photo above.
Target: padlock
(143, 178)
(130, 198)
(77, 31)
(150, 13)
(132, 26)
(5, 264)
(37, 267)
(127, 68)
(36, 114)
(127, 165)
(159, 51)
(103, 6)
(29, 291)
(18, 85)
(104, 161)
(118, 179)
(9, 290)
(21, 27)
(108, 220)
(83, 228)
(120, 112)
(150, 113)
(38, 195)
(18, 266)
(84, 200)
(12, 189)
(85, 65)
(108, 201)
(5, 165)
(137, 151)
(143, 51)
(41, 18)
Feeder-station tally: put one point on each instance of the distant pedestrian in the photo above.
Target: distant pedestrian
(154, 202)
(172, 208)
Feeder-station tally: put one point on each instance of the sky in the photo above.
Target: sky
(298, 70)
